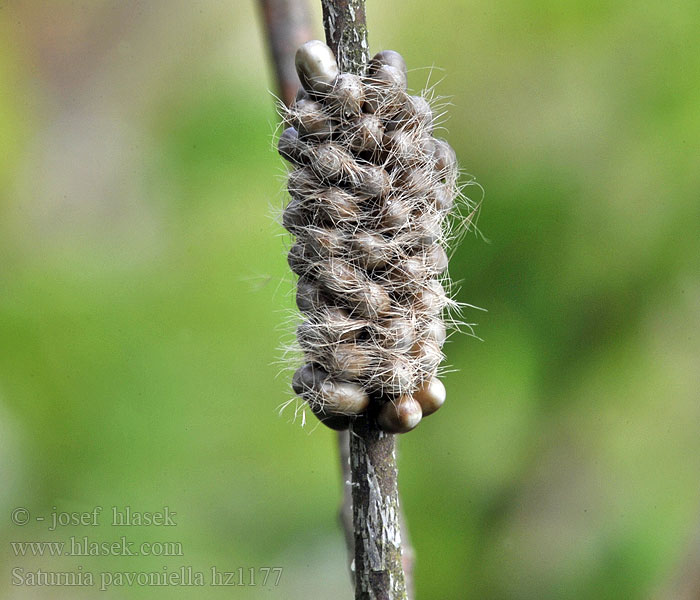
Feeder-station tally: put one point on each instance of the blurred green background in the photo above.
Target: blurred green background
(144, 293)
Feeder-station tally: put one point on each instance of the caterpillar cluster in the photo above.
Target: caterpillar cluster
(370, 191)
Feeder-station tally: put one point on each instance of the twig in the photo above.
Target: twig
(345, 517)
(288, 25)
(374, 523)
(284, 35)
(378, 568)
(346, 33)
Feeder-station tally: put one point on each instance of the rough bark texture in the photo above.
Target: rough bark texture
(288, 24)
(346, 33)
(345, 518)
(378, 565)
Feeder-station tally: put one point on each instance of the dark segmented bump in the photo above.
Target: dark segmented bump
(431, 396)
(400, 415)
(316, 66)
(387, 57)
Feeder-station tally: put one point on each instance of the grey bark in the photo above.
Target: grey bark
(345, 517)
(378, 567)
(346, 33)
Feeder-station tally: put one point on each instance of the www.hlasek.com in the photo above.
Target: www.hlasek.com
(185, 576)
(83, 546)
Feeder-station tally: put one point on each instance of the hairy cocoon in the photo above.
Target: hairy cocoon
(371, 189)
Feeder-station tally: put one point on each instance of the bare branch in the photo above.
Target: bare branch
(346, 33)
(288, 25)
(370, 512)
(378, 566)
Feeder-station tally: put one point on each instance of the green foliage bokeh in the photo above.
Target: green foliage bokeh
(144, 295)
